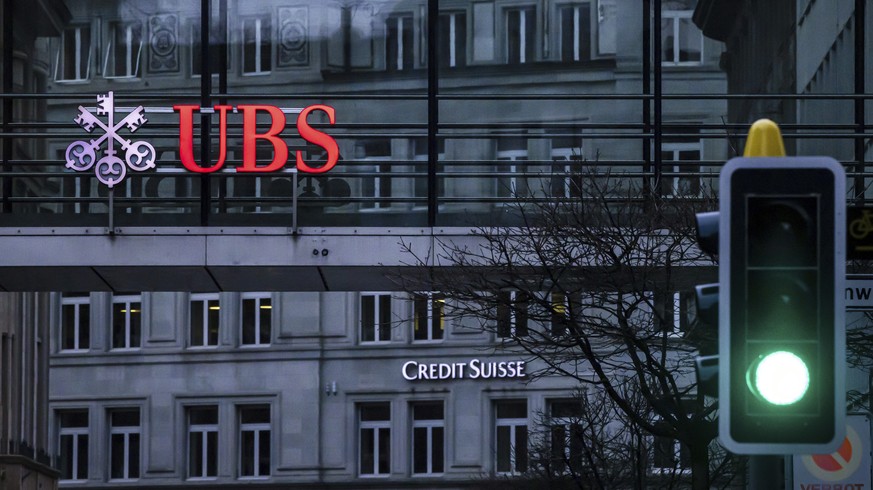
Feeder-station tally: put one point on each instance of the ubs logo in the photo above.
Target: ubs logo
(110, 168)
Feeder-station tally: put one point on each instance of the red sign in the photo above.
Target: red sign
(251, 137)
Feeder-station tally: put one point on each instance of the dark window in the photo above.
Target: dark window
(74, 54)
(257, 45)
(428, 438)
(512, 314)
(202, 442)
(429, 320)
(124, 444)
(576, 33)
(511, 436)
(375, 438)
(255, 441)
(566, 436)
(205, 312)
(256, 321)
(124, 50)
(73, 444)
(399, 48)
(375, 317)
(126, 322)
(75, 323)
(452, 40)
(520, 35)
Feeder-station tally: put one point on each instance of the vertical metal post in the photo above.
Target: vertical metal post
(859, 26)
(656, 144)
(294, 201)
(647, 90)
(432, 110)
(765, 472)
(205, 101)
(8, 40)
(222, 88)
(111, 230)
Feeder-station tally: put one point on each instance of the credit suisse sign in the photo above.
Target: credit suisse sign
(101, 154)
(472, 369)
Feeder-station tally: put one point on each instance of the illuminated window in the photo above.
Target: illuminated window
(204, 316)
(254, 428)
(375, 317)
(399, 48)
(257, 315)
(124, 444)
(73, 444)
(511, 436)
(374, 432)
(429, 316)
(75, 323)
(126, 322)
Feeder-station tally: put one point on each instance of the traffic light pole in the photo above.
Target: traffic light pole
(765, 472)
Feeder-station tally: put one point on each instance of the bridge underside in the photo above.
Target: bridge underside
(235, 259)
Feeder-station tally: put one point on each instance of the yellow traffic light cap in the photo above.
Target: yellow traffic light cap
(765, 140)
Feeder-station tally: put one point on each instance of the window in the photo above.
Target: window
(680, 175)
(375, 439)
(512, 314)
(452, 40)
(520, 37)
(257, 46)
(75, 323)
(566, 436)
(123, 51)
(202, 442)
(378, 183)
(73, 59)
(673, 311)
(508, 181)
(73, 444)
(124, 444)
(254, 430)
(575, 32)
(126, 322)
(204, 317)
(420, 156)
(567, 172)
(399, 50)
(429, 320)
(256, 319)
(669, 454)
(681, 40)
(375, 317)
(511, 435)
(563, 312)
(428, 438)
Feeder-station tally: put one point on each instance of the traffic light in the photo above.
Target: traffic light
(781, 313)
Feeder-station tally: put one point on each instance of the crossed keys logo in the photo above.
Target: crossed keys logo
(110, 169)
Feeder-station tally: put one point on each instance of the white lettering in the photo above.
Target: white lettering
(406, 365)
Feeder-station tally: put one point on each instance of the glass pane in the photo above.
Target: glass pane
(368, 314)
(125, 418)
(264, 453)
(84, 326)
(438, 323)
(119, 330)
(248, 321)
(212, 453)
(419, 450)
(255, 415)
(436, 449)
(197, 323)
(68, 322)
(504, 449)
(203, 415)
(384, 451)
(512, 410)
(135, 324)
(247, 453)
(74, 419)
(368, 445)
(385, 317)
(195, 454)
(212, 313)
(520, 448)
(376, 411)
(420, 307)
(689, 41)
(82, 466)
(133, 460)
(427, 411)
(265, 310)
(65, 458)
(116, 456)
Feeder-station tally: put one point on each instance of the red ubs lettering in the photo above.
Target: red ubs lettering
(251, 137)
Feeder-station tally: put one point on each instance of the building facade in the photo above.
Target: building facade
(360, 386)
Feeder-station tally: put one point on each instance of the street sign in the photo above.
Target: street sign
(859, 294)
(847, 468)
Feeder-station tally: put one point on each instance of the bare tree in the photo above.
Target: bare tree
(588, 287)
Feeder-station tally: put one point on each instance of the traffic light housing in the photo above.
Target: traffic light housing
(781, 312)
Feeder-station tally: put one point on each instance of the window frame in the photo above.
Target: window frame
(507, 161)
(570, 185)
(60, 62)
(578, 55)
(429, 425)
(76, 302)
(75, 432)
(675, 17)
(515, 303)
(258, 429)
(256, 297)
(430, 298)
(377, 323)
(126, 431)
(570, 427)
(676, 164)
(401, 50)
(452, 39)
(513, 423)
(377, 426)
(526, 47)
(203, 430)
(127, 300)
(205, 299)
(132, 66)
(259, 55)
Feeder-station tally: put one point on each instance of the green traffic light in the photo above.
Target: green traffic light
(780, 378)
